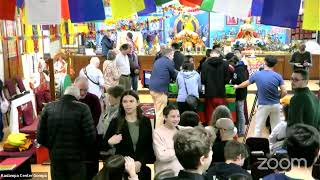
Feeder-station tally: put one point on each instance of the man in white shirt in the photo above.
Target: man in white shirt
(123, 64)
(95, 77)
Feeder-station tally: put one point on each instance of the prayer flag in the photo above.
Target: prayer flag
(256, 9)
(207, 5)
(43, 12)
(282, 13)
(7, 9)
(311, 17)
(233, 8)
(20, 3)
(86, 10)
(191, 3)
(125, 8)
(65, 14)
(160, 2)
(150, 7)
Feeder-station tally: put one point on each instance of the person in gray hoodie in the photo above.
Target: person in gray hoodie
(189, 83)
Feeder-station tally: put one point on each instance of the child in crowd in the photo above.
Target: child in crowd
(240, 75)
(189, 118)
(163, 141)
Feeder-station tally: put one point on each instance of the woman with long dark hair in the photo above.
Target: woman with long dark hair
(130, 133)
(117, 167)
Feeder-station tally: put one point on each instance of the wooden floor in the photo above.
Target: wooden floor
(146, 98)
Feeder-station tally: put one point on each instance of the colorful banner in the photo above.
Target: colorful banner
(283, 13)
(7, 9)
(160, 2)
(150, 7)
(239, 8)
(311, 17)
(65, 14)
(125, 8)
(233, 8)
(86, 10)
(190, 3)
(43, 12)
(256, 8)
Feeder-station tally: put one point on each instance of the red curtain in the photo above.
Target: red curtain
(7, 9)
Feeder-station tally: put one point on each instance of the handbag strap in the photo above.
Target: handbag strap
(185, 85)
(85, 72)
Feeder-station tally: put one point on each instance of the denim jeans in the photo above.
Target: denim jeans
(134, 82)
(241, 120)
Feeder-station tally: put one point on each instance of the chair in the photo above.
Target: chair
(316, 171)
(258, 148)
(21, 85)
(10, 87)
(257, 172)
(258, 144)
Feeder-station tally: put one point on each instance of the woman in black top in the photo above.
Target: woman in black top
(130, 133)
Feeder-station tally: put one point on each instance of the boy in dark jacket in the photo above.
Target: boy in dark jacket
(240, 75)
(214, 76)
(235, 154)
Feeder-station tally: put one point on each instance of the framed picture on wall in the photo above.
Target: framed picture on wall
(10, 28)
(231, 20)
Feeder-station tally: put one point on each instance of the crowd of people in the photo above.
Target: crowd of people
(100, 116)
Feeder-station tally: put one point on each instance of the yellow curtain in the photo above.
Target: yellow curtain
(71, 32)
(81, 28)
(30, 43)
(311, 17)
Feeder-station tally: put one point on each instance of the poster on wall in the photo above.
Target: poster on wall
(194, 24)
(10, 32)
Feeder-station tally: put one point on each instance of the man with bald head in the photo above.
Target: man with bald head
(94, 76)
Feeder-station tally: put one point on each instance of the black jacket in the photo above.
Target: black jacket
(224, 171)
(240, 75)
(178, 59)
(214, 75)
(66, 128)
(144, 150)
(183, 175)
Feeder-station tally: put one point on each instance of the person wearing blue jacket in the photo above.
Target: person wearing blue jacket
(162, 73)
(189, 83)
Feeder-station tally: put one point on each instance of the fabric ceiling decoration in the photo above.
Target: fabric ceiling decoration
(125, 8)
(20, 3)
(233, 8)
(7, 9)
(207, 5)
(65, 14)
(283, 13)
(256, 8)
(191, 3)
(311, 17)
(150, 7)
(160, 2)
(86, 10)
(43, 12)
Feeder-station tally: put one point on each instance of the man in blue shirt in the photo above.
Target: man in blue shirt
(163, 71)
(267, 82)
